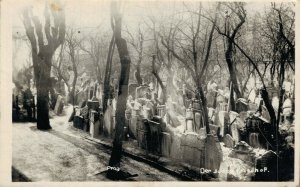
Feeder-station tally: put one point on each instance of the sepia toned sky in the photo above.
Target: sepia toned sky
(90, 16)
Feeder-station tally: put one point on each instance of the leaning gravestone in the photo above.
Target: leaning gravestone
(59, 105)
(228, 141)
(234, 120)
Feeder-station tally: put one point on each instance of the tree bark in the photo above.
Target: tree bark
(125, 60)
(42, 75)
(42, 54)
(106, 85)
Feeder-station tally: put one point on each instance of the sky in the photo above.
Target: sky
(90, 16)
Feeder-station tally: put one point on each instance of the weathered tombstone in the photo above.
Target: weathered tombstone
(214, 129)
(193, 149)
(94, 123)
(176, 149)
(241, 105)
(142, 133)
(141, 91)
(228, 141)
(252, 107)
(132, 90)
(166, 144)
(133, 123)
(211, 96)
(223, 106)
(78, 121)
(93, 104)
(243, 152)
(211, 112)
(198, 121)
(234, 120)
(154, 137)
(213, 155)
(254, 140)
(161, 109)
(59, 105)
(243, 116)
(222, 119)
(189, 120)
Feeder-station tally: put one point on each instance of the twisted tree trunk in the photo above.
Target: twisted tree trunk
(125, 60)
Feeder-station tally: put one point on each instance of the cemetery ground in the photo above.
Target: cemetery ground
(63, 154)
(69, 154)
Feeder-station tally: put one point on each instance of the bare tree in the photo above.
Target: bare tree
(233, 23)
(138, 45)
(73, 46)
(42, 52)
(192, 61)
(125, 60)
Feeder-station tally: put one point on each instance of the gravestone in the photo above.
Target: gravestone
(78, 122)
(59, 105)
(141, 91)
(161, 109)
(132, 89)
(254, 140)
(154, 137)
(133, 123)
(213, 155)
(193, 149)
(176, 149)
(211, 96)
(214, 129)
(228, 141)
(243, 152)
(234, 120)
(252, 107)
(198, 121)
(243, 116)
(142, 133)
(211, 112)
(94, 123)
(222, 119)
(166, 144)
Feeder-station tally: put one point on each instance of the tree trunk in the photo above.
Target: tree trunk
(42, 74)
(125, 60)
(232, 73)
(138, 73)
(106, 85)
(203, 104)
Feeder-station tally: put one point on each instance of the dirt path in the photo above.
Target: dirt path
(62, 154)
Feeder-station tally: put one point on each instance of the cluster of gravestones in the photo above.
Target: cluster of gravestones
(87, 114)
(148, 125)
(23, 107)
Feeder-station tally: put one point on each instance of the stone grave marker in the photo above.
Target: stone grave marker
(59, 105)
(132, 89)
(193, 149)
(228, 141)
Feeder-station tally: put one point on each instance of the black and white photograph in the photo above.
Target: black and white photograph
(153, 91)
